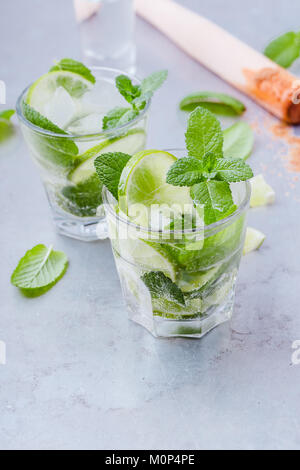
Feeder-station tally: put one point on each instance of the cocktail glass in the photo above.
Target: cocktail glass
(72, 186)
(202, 263)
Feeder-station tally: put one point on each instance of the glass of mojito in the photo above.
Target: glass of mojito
(177, 224)
(69, 117)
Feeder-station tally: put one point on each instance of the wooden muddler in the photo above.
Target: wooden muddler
(246, 69)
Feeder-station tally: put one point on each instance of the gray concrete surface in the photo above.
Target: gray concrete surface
(78, 374)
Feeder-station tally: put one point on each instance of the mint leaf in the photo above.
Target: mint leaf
(41, 121)
(71, 65)
(82, 199)
(185, 172)
(218, 103)
(136, 95)
(39, 270)
(118, 117)
(216, 198)
(238, 141)
(160, 286)
(7, 114)
(148, 86)
(153, 82)
(204, 134)
(109, 167)
(285, 49)
(127, 89)
(6, 127)
(232, 171)
(59, 150)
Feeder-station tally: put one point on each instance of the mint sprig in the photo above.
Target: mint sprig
(136, 95)
(285, 49)
(109, 167)
(205, 170)
(39, 270)
(70, 65)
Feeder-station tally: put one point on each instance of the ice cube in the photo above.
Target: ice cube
(100, 99)
(61, 108)
(90, 124)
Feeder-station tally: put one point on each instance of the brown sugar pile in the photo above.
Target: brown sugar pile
(285, 133)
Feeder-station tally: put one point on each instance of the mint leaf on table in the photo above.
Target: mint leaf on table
(203, 134)
(7, 114)
(39, 270)
(216, 198)
(109, 167)
(238, 141)
(161, 286)
(136, 95)
(58, 150)
(6, 127)
(285, 49)
(118, 117)
(70, 65)
(218, 103)
(232, 171)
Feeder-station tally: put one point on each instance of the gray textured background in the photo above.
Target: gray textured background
(78, 374)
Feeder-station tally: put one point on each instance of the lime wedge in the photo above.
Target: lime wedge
(143, 181)
(188, 282)
(254, 240)
(147, 256)
(42, 90)
(131, 143)
(262, 193)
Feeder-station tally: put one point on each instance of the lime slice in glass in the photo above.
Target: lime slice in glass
(143, 182)
(130, 143)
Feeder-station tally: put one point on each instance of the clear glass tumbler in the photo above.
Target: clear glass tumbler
(107, 32)
(180, 282)
(66, 163)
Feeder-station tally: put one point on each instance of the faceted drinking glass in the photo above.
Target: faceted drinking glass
(66, 162)
(179, 282)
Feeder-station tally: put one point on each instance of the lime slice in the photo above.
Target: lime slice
(147, 256)
(167, 309)
(189, 282)
(42, 90)
(254, 240)
(262, 193)
(131, 143)
(143, 181)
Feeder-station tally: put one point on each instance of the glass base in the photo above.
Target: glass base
(87, 230)
(196, 328)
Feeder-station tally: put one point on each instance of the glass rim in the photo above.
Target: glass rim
(243, 206)
(103, 133)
